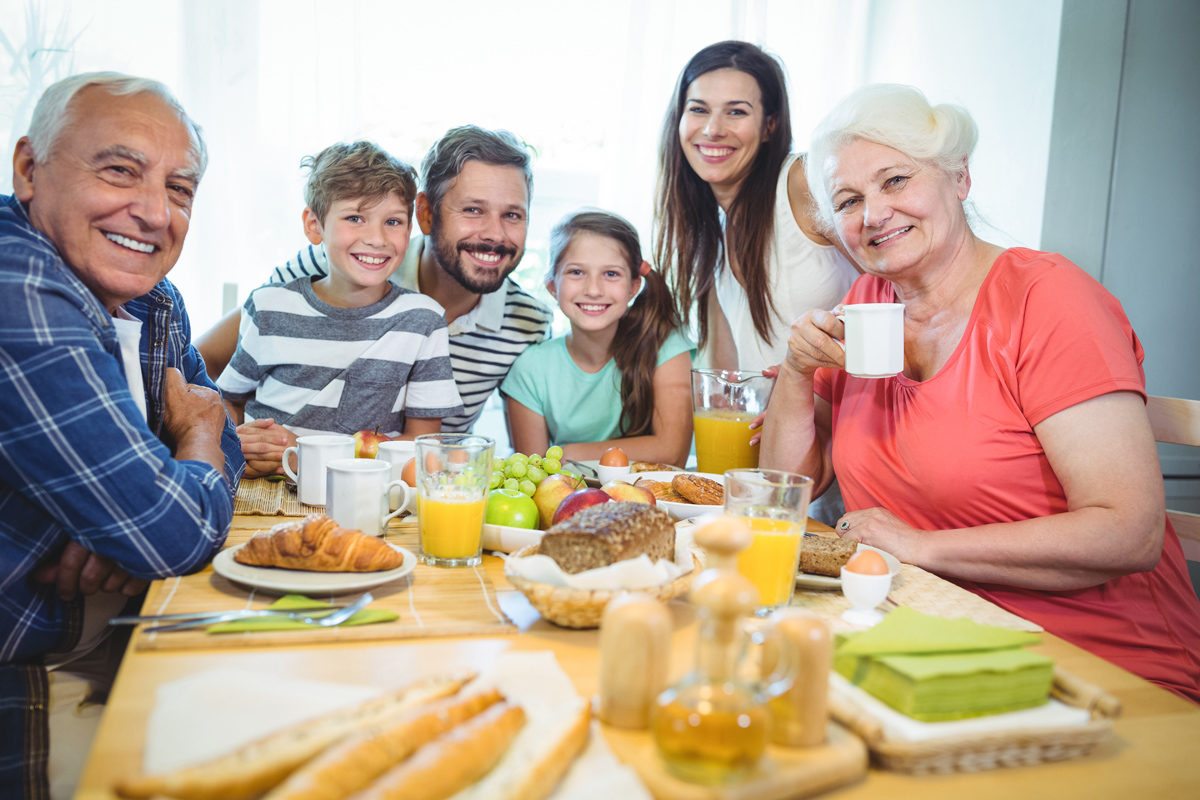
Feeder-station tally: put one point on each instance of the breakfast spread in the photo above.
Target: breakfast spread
(609, 532)
(698, 489)
(318, 544)
(826, 555)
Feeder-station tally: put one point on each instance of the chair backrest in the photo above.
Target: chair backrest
(1177, 421)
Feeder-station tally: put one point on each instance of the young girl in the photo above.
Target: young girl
(622, 376)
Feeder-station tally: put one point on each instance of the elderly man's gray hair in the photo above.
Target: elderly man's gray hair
(446, 159)
(53, 112)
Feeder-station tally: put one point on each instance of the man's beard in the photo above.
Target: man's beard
(449, 258)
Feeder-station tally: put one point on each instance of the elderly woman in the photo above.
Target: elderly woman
(1013, 454)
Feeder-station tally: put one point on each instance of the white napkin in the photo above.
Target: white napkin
(633, 573)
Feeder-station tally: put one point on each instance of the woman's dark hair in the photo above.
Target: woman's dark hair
(646, 324)
(688, 242)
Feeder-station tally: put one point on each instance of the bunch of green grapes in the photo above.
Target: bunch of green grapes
(523, 473)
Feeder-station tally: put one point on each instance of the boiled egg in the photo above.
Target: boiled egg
(614, 457)
(867, 562)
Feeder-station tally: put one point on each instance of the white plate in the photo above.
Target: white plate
(507, 539)
(680, 510)
(283, 581)
(806, 580)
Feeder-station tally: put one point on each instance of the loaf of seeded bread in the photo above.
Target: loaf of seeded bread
(606, 533)
(825, 555)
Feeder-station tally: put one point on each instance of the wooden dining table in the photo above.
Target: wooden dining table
(1152, 754)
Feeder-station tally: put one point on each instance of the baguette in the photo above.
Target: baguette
(319, 544)
(262, 764)
(352, 765)
(452, 762)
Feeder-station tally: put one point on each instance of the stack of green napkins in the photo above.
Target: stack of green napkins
(934, 669)
(291, 602)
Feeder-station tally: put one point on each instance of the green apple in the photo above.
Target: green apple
(512, 508)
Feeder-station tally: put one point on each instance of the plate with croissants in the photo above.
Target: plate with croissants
(314, 555)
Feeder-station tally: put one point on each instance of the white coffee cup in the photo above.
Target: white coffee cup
(874, 339)
(313, 452)
(357, 490)
(397, 453)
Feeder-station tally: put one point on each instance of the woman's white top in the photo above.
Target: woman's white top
(802, 274)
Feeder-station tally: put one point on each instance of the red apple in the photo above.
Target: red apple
(366, 443)
(550, 493)
(577, 501)
(620, 490)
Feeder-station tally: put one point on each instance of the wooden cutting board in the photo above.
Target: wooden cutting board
(784, 773)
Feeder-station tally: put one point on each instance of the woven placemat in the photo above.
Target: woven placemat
(272, 498)
(431, 601)
(927, 593)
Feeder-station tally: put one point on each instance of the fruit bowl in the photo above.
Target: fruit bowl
(583, 608)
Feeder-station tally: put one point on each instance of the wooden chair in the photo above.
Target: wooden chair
(1177, 421)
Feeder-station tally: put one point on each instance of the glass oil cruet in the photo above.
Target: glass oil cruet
(712, 726)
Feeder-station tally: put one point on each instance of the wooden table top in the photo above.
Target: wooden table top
(1152, 754)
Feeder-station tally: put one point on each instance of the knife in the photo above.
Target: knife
(243, 614)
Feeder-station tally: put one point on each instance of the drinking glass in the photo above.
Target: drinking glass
(775, 503)
(453, 470)
(724, 403)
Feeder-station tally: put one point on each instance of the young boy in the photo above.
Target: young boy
(349, 351)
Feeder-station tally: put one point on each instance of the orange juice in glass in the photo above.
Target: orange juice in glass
(724, 403)
(775, 503)
(452, 481)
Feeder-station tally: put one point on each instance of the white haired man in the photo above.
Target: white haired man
(117, 462)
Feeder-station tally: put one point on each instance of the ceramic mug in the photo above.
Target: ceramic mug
(874, 339)
(357, 490)
(313, 453)
(397, 453)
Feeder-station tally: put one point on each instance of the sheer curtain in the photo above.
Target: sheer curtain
(585, 83)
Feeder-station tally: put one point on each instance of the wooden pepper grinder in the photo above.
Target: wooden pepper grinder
(799, 716)
(635, 651)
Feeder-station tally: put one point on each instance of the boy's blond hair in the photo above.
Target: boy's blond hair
(356, 170)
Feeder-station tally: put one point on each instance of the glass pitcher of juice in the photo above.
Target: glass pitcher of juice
(724, 403)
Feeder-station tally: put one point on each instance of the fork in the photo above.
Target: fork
(337, 617)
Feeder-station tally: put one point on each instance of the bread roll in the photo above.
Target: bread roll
(452, 762)
(319, 544)
(258, 766)
(606, 533)
(353, 764)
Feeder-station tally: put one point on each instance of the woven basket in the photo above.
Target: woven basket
(583, 608)
(1013, 748)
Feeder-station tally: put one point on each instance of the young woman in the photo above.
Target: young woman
(621, 377)
(734, 227)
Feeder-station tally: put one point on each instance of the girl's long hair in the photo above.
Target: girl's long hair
(646, 324)
(687, 241)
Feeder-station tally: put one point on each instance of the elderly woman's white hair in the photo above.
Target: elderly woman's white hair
(53, 112)
(896, 116)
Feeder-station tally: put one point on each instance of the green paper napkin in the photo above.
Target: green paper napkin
(935, 669)
(288, 602)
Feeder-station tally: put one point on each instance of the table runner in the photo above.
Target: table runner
(431, 601)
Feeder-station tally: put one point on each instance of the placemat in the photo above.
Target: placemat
(431, 601)
(273, 498)
(924, 591)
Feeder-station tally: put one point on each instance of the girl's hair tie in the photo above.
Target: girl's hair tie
(644, 269)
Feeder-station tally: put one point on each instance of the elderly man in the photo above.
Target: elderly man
(473, 212)
(117, 463)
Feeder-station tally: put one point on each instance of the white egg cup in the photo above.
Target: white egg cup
(864, 592)
(606, 474)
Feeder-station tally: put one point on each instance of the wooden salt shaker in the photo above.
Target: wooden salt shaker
(801, 713)
(635, 648)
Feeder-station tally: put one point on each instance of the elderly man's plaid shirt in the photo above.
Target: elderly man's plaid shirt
(77, 461)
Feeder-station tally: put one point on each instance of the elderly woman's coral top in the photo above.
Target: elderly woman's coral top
(959, 450)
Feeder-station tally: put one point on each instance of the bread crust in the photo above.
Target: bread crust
(452, 762)
(319, 544)
(262, 764)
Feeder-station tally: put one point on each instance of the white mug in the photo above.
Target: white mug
(313, 452)
(397, 453)
(874, 339)
(358, 491)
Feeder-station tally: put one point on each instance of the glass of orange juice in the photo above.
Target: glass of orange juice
(724, 403)
(452, 482)
(775, 503)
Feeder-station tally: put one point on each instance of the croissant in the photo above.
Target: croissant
(319, 544)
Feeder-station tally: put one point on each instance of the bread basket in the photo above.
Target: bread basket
(582, 608)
